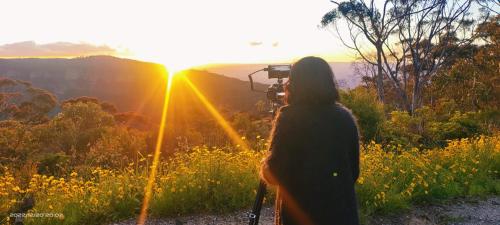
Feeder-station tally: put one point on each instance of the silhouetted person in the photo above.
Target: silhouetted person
(314, 159)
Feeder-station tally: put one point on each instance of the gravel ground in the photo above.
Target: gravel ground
(473, 211)
(456, 212)
(266, 218)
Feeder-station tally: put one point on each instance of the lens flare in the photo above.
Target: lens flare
(161, 131)
(218, 117)
(235, 137)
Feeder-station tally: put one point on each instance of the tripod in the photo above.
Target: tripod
(262, 189)
(259, 198)
(275, 95)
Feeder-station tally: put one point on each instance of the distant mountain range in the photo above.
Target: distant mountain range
(136, 86)
(344, 72)
(128, 84)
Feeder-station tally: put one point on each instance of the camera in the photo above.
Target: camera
(276, 92)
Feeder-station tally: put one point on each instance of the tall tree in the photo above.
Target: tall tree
(365, 22)
(411, 39)
(426, 38)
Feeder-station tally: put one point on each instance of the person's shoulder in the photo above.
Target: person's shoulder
(283, 111)
(342, 109)
(286, 113)
(345, 112)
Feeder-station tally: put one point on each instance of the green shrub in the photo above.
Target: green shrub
(368, 111)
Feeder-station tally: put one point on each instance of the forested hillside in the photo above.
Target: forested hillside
(128, 84)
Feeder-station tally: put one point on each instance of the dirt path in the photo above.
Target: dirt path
(457, 212)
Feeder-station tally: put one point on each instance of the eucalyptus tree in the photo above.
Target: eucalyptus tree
(409, 39)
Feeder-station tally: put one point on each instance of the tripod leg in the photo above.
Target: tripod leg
(257, 205)
(261, 192)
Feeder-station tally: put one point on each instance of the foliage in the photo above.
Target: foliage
(21, 101)
(207, 180)
(392, 179)
(430, 128)
(219, 180)
(82, 134)
(15, 144)
(53, 163)
(247, 126)
(401, 129)
(105, 106)
(472, 80)
(116, 147)
(367, 109)
(72, 131)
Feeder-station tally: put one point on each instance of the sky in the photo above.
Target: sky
(175, 33)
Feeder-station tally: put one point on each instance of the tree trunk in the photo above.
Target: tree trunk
(415, 101)
(404, 100)
(380, 73)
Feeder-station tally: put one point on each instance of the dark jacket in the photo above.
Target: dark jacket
(314, 161)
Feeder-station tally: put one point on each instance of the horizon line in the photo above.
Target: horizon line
(206, 65)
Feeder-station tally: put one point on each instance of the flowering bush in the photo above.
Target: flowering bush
(392, 179)
(220, 180)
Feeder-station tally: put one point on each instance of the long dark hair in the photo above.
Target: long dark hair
(311, 82)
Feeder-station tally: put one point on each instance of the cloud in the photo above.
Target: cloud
(259, 43)
(56, 49)
(255, 43)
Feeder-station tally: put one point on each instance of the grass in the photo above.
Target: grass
(218, 180)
